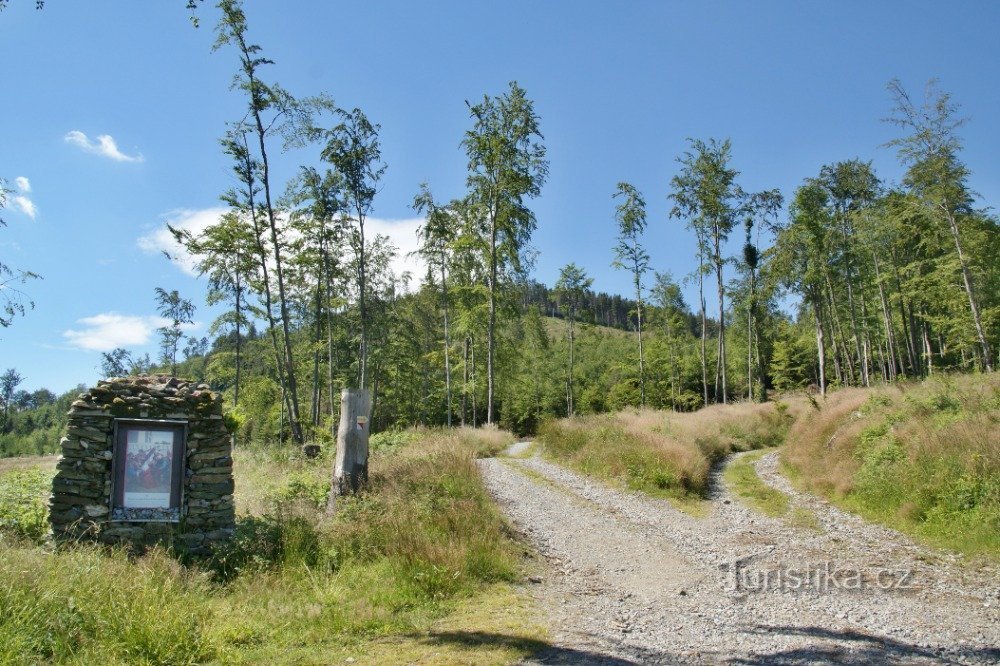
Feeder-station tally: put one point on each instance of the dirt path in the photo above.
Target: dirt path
(633, 580)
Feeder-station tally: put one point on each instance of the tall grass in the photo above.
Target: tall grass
(924, 458)
(296, 585)
(660, 452)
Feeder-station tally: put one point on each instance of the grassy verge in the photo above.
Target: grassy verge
(417, 569)
(922, 458)
(664, 454)
(742, 478)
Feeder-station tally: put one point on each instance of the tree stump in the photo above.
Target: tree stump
(350, 471)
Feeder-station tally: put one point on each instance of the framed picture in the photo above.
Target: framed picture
(148, 470)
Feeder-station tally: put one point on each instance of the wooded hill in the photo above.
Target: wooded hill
(888, 281)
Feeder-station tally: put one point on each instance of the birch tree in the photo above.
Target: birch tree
(570, 289)
(506, 166)
(630, 214)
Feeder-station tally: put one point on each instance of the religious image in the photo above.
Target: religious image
(148, 468)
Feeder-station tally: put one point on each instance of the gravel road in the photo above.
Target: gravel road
(633, 580)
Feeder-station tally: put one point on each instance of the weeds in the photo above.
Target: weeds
(664, 453)
(924, 458)
(423, 540)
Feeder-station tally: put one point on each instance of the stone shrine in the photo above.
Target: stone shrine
(145, 460)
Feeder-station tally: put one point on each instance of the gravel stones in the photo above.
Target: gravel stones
(633, 580)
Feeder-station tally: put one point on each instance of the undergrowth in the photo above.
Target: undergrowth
(296, 585)
(663, 453)
(923, 458)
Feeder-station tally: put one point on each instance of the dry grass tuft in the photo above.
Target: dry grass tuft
(665, 453)
(924, 458)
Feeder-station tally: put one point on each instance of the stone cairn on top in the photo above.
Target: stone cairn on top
(80, 505)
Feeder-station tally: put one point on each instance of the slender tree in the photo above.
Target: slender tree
(270, 110)
(225, 254)
(570, 290)
(630, 214)
(9, 381)
(506, 165)
(437, 234)
(763, 205)
(938, 177)
(666, 293)
(179, 311)
(354, 152)
(705, 192)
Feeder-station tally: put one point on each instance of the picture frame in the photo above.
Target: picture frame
(148, 470)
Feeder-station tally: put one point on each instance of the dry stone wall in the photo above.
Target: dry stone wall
(82, 503)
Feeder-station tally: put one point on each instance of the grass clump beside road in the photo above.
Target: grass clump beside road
(741, 477)
(413, 569)
(922, 458)
(662, 453)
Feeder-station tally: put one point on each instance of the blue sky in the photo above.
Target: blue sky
(618, 85)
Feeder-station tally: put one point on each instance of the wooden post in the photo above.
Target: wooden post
(350, 472)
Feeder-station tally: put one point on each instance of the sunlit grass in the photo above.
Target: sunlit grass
(923, 458)
(664, 454)
(420, 568)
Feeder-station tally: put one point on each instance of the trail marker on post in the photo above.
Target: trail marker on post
(350, 472)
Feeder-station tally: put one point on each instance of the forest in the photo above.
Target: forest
(849, 280)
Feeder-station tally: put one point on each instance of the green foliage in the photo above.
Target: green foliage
(925, 460)
(23, 503)
(420, 541)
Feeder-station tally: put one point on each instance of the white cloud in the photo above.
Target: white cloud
(104, 332)
(160, 240)
(104, 146)
(25, 205)
(21, 201)
(402, 233)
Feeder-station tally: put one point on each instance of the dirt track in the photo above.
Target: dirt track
(634, 580)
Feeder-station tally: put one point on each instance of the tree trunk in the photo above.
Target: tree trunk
(350, 471)
(704, 327)
(491, 324)
(475, 416)
(319, 340)
(465, 379)
(642, 365)
(292, 393)
(890, 336)
(329, 331)
(851, 310)
(569, 393)
(362, 305)
(969, 290)
(239, 343)
(447, 343)
(720, 362)
(820, 344)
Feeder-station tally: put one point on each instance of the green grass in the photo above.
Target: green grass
(921, 458)
(742, 478)
(663, 454)
(24, 494)
(420, 568)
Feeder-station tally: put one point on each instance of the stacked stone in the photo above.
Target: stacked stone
(80, 505)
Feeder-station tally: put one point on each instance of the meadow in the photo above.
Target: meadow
(664, 453)
(421, 567)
